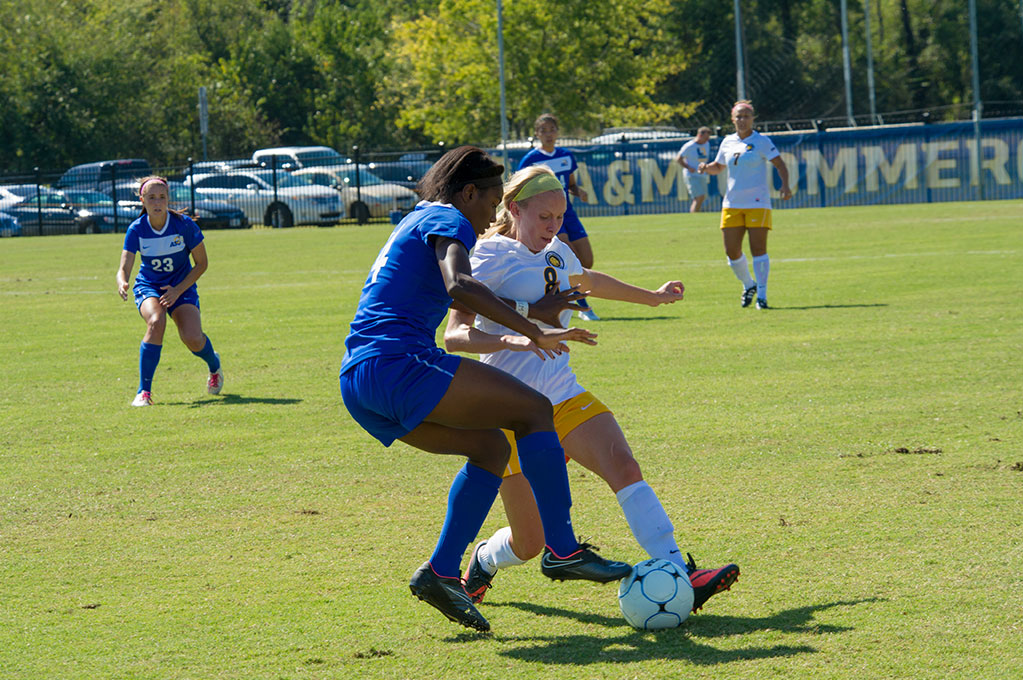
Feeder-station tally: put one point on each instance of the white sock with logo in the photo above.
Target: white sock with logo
(761, 268)
(740, 268)
(649, 523)
(498, 553)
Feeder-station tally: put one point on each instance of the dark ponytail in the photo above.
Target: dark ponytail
(455, 170)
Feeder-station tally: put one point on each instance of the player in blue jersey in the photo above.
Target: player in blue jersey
(168, 243)
(562, 162)
(397, 384)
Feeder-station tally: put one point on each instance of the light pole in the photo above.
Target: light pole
(740, 71)
(846, 68)
(870, 62)
(500, 61)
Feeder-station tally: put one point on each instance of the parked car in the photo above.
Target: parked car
(297, 157)
(40, 211)
(297, 201)
(374, 197)
(9, 225)
(95, 212)
(396, 173)
(102, 175)
(207, 167)
(209, 214)
(637, 134)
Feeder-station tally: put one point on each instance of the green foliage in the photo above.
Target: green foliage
(112, 78)
(559, 57)
(857, 451)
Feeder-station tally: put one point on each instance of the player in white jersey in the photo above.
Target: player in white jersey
(747, 204)
(168, 243)
(522, 261)
(692, 153)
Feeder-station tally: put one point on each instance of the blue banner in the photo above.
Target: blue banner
(870, 166)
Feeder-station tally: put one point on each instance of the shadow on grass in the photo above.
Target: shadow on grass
(233, 400)
(866, 304)
(634, 645)
(577, 321)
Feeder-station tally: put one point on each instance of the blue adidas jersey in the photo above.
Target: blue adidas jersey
(404, 298)
(166, 255)
(562, 162)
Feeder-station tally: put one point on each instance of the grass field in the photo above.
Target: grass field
(858, 451)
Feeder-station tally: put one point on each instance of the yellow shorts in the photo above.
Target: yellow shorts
(751, 218)
(568, 415)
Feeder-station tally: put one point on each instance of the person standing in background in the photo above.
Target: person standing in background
(746, 208)
(692, 153)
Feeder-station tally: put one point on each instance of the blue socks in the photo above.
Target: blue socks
(209, 356)
(543, 463)
(149, 357)
(472, 493)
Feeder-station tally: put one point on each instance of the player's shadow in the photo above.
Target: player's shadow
(633, 645)
(233, 400)
(576, 322)
(853, 306)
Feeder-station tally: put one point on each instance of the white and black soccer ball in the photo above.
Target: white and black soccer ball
(656, 595)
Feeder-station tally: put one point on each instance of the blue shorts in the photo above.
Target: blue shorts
(144, 290)
(390, 395)
(572, 226)
(697, 184)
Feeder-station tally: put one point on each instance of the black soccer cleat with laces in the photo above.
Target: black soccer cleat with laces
(708, 582)
(584, 565)
(747, 296)
(477, 580)
(446, 594)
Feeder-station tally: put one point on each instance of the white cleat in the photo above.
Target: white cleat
(588, 315)
(143, 398)
(216, 380)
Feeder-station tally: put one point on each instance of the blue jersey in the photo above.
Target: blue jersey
(405, 299)
(166, 255)
(562, 162)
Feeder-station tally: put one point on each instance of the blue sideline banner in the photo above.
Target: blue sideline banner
(872, 166)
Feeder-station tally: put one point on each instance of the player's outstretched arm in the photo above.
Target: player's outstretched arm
(462, 336)
(712, 168)
(456, 270)
(601, 285)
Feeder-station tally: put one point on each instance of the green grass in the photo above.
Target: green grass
(858, 451)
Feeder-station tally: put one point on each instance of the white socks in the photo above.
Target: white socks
(741, 269)
(761, 268)
(649, 523)
(498, 553)
(643, 511)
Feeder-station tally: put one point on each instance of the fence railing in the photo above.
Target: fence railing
(908, 163)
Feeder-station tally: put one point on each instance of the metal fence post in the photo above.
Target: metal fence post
(191, 184)
(113, 190)
(362, 216)
(39, 200)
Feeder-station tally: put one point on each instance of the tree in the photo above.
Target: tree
(569, 62)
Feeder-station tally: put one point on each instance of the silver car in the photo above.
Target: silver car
(293, 201)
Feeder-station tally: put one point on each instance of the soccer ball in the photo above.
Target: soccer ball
(657, 594)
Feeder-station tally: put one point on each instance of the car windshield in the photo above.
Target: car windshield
(24, 190)
(346, 174)
(284, 179)
(179, 193)
(319, 157)
(83, 197)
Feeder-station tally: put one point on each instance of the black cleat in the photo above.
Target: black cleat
(476, 579)
(762, 303)
(584, 564)
(707, 582)
(447, 595)
(747, 296)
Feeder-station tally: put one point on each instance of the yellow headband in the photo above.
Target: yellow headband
(545, 181)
